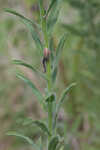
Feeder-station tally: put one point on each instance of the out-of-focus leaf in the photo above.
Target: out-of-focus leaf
(40, 124)
(60, 145)
(76, 3)
(66, 91)
(50, 6)
(52, 49)
(34, 89)
(51, 98)
(52, 19)
(13, 133)
(19, 15)
(39, 143)
(59, 104)
(20, 62)
(54, 74)
(74, 31)
(35, 37)
(53, 143)
(42, 12)
(30, 25)
(60, 48)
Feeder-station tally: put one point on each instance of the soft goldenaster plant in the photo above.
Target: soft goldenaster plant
(50, 61)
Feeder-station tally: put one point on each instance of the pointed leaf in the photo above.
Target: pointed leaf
(42, 11)
(19, 15)
(13, 133)
(52, 49)
(20, 62)
(52, 18)
(66, 91)
(58, 106)
(30, 25)
(40, 124)
(60, 48)
(35, 90)
(54, 74)
(53, 143)
(39, 143)
(35, 37)
(50, 6)
(51, 98)
(61, 44)
(74, 31)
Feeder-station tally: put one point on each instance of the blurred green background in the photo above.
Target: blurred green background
(80, 62)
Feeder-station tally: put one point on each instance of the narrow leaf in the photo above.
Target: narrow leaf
(13, 133)
(54, 74)
(35, 37)
(39, 143)
(66, 91)
(40, 124)
(52, 18)
(53, 143)
(50, 6)
(20, 62)
(60, 47)
(59, 104)
(51, 98)
(74, 31)
(19, 15)
(34, 89)
(30, 25)
(42, 11)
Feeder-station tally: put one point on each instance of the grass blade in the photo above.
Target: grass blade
(34, 89)
(13, 133)
(20, 62)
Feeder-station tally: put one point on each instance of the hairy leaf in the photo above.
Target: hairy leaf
(19, 15)
(50, 98)
(66, 91)
(60, 47)
(74, 31)
(34, 89)
(13, 133)
(52, 20)
(30, 25)
(54, 74)
(20, 62)
(59, 104)
(53, 143)
(40, 124)
(50, 6)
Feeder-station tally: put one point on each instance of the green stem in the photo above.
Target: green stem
(50, 117)
(48, 73)
(50, 113)
(44, 29)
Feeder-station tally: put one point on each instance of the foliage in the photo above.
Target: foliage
(48, 100)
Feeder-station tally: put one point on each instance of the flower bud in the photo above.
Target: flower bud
(46, 53)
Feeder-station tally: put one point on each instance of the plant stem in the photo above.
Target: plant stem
(50, 114)
(48, 72)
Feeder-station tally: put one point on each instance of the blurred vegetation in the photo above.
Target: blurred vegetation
(80, 63)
